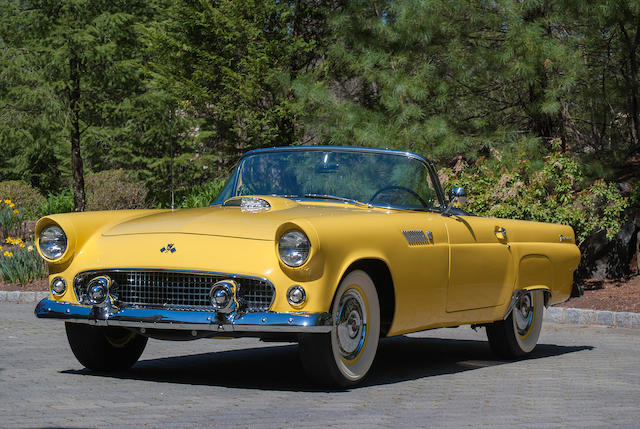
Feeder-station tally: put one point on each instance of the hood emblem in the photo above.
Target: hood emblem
(168, 249)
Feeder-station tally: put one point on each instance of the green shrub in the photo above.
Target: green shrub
(21, 263)
(549, 194)
(201, 196)
(62, 202)
(23, 195)
(114, 190)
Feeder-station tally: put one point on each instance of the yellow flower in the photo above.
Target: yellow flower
(17, 241)
(0, 248)
(9, 240)
(7, 201)
(22, 245)
(30, 248)
(12, 205)
(15, 211)
(8, 254)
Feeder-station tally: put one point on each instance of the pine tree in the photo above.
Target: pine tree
(232, 64)
(71, 71)
(442, 77)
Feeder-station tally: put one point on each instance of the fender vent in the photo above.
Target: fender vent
(418, 237)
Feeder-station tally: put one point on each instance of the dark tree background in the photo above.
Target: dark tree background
(87, 86)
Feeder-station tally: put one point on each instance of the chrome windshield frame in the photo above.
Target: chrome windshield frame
(428, 165)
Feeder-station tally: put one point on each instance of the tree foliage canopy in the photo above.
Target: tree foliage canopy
(117, 85)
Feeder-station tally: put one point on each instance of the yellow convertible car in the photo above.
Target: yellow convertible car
(330, 247)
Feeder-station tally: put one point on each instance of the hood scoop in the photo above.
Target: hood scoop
(248, 204)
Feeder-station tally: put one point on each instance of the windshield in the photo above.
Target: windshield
(379, 178)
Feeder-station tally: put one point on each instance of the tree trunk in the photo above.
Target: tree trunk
(633, 84)
(76, 158)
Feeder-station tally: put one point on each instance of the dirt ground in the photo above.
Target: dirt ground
(38, 285)
(613, 295)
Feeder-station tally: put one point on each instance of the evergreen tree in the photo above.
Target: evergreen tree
(232, 64)
(443, 77)
(71, 73)
(604, 113)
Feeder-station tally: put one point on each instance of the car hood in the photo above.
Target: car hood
(227, 221)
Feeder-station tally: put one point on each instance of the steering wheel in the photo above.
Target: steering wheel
(402, 188)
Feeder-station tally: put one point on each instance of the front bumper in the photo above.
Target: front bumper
(267, 322)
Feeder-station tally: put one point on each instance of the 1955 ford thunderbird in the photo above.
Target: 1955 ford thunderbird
(331, 247)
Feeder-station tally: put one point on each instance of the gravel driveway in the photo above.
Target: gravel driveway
(578, 377)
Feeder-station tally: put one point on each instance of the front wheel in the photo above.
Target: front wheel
(104, 348)
(517, 335)
(344, 356)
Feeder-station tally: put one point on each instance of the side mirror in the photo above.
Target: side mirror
(457, 197)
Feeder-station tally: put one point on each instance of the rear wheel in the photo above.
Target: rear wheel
(344, 356)
(104, 348)
(517, 335)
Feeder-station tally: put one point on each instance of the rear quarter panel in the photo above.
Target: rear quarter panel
(542, 258)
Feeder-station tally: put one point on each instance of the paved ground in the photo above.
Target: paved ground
(578, 377)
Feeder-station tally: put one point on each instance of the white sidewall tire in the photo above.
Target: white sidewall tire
(355, 369)
(528, 341)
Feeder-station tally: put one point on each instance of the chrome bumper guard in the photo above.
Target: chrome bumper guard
(186, 320)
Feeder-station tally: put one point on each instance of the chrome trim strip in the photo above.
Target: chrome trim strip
(187, 320)
(337, 149)
(215, 273)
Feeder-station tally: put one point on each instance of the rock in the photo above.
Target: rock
(616, 258)
(605, 318)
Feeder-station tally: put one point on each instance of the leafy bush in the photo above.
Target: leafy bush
(549, 194)
(20, 263)
(22, 194)
(62, 202)
(114, 190)
(201, 196)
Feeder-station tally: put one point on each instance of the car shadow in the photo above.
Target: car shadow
(278, 367)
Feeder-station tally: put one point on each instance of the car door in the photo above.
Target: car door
(481, 268)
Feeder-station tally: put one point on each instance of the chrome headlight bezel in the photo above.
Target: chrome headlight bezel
(294, 248)
(52, 242)
(58, 286)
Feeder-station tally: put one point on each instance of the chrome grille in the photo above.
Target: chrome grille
(176, 290)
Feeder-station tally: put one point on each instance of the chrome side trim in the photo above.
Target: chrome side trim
(187, 320)
(518, 293)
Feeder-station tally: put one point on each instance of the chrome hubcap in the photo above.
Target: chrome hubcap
(523, 313)
(351, 326)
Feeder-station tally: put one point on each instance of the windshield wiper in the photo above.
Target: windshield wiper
(334, 197)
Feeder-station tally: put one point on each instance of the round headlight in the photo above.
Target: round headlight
(294, 248)
(52, 242)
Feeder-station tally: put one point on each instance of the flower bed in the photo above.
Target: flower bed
(19, 261)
